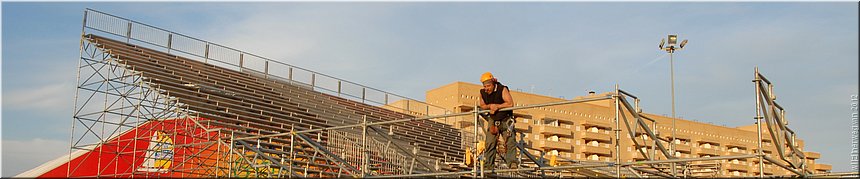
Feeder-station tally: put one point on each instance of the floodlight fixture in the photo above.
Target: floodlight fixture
(673, 39)
(662, 42)
(672, 44)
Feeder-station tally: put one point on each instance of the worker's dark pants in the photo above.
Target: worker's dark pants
(492, 141)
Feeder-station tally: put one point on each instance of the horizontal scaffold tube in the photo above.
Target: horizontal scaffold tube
(567, 167)
(432, 117)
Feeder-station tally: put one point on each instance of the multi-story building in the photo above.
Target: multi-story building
(585, 132)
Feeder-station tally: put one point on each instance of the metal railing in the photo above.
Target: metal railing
(227, 57)
(230, 58)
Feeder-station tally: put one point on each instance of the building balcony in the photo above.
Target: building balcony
(554, 145)
(767, 170)
(755, 161)
(598, 124)
(683, 148)
(554, 130)
(463, 123)
(521, 126)
(765, 151)
(823, 167)
(708, 140)
(642, 141)
(601, 137)
(638, 156)
(711, 151)
(602, 151)
(736, 167)
(739, 152)
(812, 155)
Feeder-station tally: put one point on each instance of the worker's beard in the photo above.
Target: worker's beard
(488, 91)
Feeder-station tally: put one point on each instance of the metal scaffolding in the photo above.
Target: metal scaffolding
(229, 113)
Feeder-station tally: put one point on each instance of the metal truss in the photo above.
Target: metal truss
(117, 97)
(777, 126)
(113, 104)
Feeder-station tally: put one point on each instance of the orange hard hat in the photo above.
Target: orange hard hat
(486, 76)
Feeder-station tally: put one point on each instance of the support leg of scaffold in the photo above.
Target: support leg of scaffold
(617, 133)
(475, 161)
(364, 152)
(338, 161)
(292, 146)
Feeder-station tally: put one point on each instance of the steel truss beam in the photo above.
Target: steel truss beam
(781, 135)
(112, 96)
(111, 99)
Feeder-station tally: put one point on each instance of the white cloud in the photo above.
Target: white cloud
(46, 97)
(20, 156)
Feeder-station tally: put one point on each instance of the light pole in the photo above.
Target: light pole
(670, 48)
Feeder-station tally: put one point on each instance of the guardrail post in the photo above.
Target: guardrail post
(363, 94)
(266, 69)
(169, 42)
(313, 79)
(206, 53)
(128, 33)
(241, 60)
(338, 88)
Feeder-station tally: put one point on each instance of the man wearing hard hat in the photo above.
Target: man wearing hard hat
(495, 96)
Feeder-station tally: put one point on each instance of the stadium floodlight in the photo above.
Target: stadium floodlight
(683, 43)
(662, 41)
(670, 48)
(673, 39)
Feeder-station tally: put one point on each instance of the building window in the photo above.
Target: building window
(551, 122)
(593, 129)
(593, 157)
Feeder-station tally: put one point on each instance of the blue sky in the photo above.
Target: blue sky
(809, 50)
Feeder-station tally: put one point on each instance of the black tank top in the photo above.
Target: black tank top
(495, 97)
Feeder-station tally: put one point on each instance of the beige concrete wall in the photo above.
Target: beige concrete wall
(584, 131)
